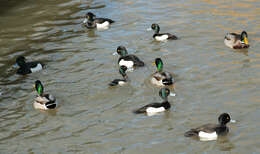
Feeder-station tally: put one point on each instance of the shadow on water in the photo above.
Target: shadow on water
(7, 5)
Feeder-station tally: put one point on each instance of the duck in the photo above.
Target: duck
(154, 108)
(130, 61)
(43, 101)
(161, 36)
(27, 67)
(160, 77)
(237, 41)
(210, 132)
(120, 82)
(91, 21)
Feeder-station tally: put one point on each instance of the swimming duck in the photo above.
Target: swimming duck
(161, 78)
(122, 70)
(43, 101)
(154, 108)
(130, 61)
(163, 36)
(27, 67)
(209, 132)
(91, 21)
(236, 41)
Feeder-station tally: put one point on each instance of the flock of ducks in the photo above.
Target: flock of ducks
(128, 62)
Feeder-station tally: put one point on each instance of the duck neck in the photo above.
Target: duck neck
(166, 104)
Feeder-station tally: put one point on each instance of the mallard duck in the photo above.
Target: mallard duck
(209, 132)
(236, 41)
(91, 21)
(154, 108)
(130, 61)
(43, 101)
(161, 78)
(27, 67)
(122, 70)
(163, 36)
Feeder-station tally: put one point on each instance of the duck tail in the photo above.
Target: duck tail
(112, 83)
(51, 105)
(139, 63)
(167, 81)
(191, 133)
(138, 111)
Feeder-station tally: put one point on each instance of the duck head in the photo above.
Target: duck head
(121, 50)
(89, 17)
(122, 70)
(39, 87)
(224, 118)
(156, 28)
(159, 64)
(244, 38)
(164, 93)
(20, 61)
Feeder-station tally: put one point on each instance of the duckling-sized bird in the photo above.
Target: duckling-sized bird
(236, 41)
(209, 132)
(163, 36)
(121, 82)
(91, 21)
(130, 61)
(154, 108)
(161, 78)
(27, 67)
(43, 101)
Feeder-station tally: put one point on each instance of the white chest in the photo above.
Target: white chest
(103, 25)
(161, 38)
(155, 110)
(128, 64)
(207, 136)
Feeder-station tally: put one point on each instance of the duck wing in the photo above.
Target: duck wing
(116, 82)
(208, 128)
(143, 109)
(101, 20)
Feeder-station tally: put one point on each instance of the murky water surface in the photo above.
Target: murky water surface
(93, 118)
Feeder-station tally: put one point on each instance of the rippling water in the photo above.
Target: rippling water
(93, 118)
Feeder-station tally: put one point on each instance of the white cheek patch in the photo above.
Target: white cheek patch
(103, 25)
(161, 38)
(128, 64)
(155, 110)
(37, 68)
(207, 136)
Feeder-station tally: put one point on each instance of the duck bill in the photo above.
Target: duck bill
(246, 40)
(15, 65)
(153, 64)
(149, 29)
(233, 121)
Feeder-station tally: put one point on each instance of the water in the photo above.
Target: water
(93, 118)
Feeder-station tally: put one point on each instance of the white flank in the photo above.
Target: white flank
(156, 82)
(121, 83)
(103, 25)
(128, 64)
(207, 136)
(155, 110)
(37, 68)
(161, 38)
(39, 106)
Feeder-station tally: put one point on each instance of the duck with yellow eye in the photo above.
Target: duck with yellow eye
(91, 21)
(237, 41)
(43, 101)
(160, 77)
